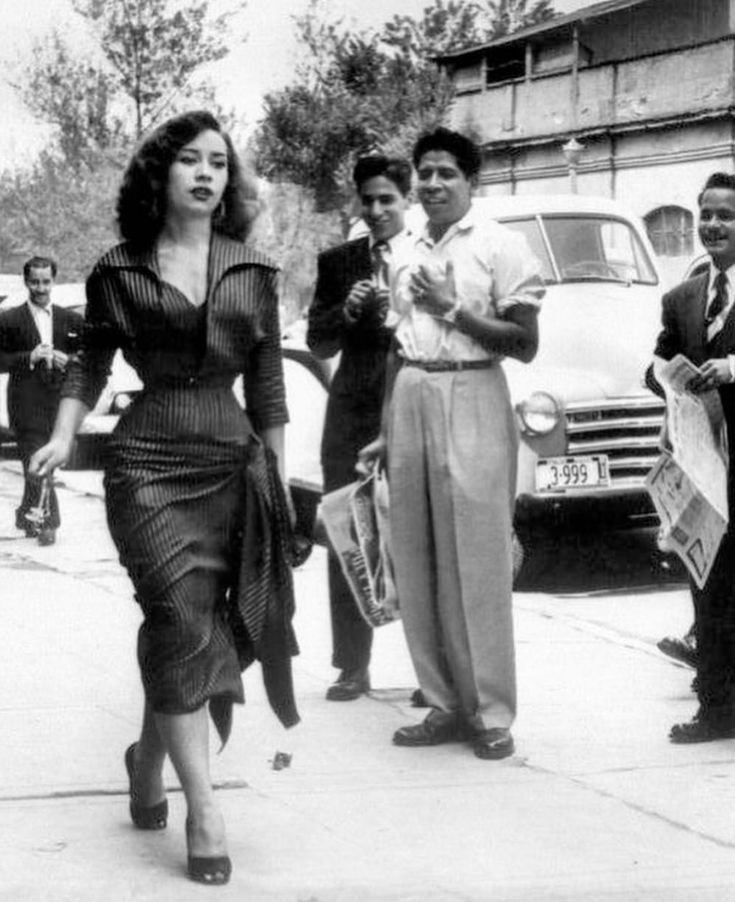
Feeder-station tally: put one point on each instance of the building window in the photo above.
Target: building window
(671, 230)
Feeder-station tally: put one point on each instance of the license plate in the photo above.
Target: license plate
(557, 474)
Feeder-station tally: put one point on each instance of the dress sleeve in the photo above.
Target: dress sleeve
(89, 369)
(516, 273)
(265, 393)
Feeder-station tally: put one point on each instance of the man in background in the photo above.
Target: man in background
(36, 339)
(698, 322)
(348, 315)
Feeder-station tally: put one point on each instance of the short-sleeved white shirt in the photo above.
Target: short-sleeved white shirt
(494, 269)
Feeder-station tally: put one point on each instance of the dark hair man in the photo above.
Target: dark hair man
(348, 314)
(35, 341)
(467, 294)
(698, 323)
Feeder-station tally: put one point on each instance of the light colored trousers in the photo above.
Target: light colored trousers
(452, 445)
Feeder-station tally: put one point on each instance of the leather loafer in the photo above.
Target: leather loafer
(433, 730)
(493, 744)
(47, 537)
(348, 688)
(702, 729)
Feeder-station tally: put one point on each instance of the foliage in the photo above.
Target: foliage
(72, 93)
(154, 50)
(60, 212)
(355, 92)
(292, 232)
(352, 94)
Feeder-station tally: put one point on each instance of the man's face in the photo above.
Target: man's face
(444, 190)
(383, 207)
(39, 284)
(717, 225)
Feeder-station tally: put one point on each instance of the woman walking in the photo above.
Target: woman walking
(191, 308)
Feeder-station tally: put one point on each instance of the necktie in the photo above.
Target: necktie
(719, 301)
(380, 263)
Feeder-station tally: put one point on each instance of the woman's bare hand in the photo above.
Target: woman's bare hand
(52, 455)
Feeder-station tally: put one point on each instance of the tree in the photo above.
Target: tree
(359, 91)
(455, 25)
(74, 94)
(65, 213)
(352, 95)
(154, 51)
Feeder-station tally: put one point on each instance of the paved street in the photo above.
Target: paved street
(595, 805)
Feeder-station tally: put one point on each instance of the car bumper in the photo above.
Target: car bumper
(603, 510)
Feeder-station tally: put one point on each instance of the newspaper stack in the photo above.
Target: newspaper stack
(688, 482)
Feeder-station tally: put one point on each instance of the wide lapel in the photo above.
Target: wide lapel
(359, 264)
(58, 325)
(226, 253)
(28, 327)
(696, 307)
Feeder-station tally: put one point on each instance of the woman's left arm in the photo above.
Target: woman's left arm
(274, 437)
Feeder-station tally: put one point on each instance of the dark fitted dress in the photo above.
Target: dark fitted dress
(174, 478)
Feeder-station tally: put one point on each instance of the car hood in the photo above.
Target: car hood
(595, 340)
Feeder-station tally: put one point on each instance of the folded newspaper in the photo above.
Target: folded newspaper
(356, 520)
(688, 482)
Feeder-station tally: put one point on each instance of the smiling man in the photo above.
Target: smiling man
(348, 314)
(698, 322)
(467, 293)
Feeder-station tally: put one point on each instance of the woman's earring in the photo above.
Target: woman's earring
(221, 210)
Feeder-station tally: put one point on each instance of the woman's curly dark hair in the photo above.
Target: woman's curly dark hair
(141, 202)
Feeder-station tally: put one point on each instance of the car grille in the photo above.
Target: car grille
(627, 430)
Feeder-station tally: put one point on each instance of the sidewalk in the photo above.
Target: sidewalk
(595, 805)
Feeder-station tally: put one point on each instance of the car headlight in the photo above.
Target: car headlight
(121, 402)
(539, 413)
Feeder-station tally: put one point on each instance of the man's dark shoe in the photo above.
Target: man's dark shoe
(702, 729)
(493, 744)
(435, 729)
(47, 536)
(348, 687)
(684, 649)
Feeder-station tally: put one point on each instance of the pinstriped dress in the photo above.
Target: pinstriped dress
(174, 477)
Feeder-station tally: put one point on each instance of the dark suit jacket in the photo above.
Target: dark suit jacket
(356, 394)
(684, 332)
(33, 394)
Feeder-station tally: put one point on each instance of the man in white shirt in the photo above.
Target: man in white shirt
(698, 322)
(467, 294)
(35, 341)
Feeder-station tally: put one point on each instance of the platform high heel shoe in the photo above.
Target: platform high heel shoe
(214, 870)
(152, 817)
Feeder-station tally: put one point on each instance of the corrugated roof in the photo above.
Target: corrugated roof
(583, 14)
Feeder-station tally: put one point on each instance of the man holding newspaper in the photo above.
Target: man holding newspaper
(693, 483)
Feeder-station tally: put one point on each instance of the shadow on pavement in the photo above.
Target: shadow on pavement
(585, 562)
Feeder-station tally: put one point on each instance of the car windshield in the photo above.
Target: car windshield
(579, 248)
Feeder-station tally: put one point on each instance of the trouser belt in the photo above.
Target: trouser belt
(449, 366)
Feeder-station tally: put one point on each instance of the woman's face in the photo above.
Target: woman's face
(197, 177)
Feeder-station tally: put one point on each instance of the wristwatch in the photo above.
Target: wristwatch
(451, 315)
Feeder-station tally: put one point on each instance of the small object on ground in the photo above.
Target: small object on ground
(282, 760)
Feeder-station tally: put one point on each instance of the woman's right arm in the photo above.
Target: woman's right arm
(85, 378)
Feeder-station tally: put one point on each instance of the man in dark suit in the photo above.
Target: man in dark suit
(699, 322)
(36, 339)
(348, 315)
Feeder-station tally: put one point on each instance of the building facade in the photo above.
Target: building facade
(630, 99)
